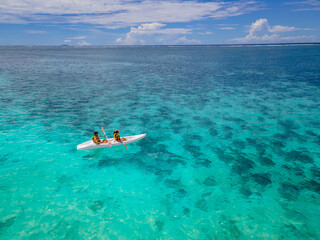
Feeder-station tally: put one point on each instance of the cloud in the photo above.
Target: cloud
(307, 5)
(261, 32)
(151, 32)
(227, 24)
(77, 38)
(83, 43)
(279, 28)
(36, 31)
(119, 13)
(69, 39)
(204, 33)
(183, 40)
(227, 28)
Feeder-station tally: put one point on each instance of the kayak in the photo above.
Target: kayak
(91, 145)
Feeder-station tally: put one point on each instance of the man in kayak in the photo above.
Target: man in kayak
(95, 138)
(117, 136)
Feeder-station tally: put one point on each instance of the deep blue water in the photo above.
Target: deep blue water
(232, 148)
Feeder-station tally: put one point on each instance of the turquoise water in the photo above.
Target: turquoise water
(232, 148)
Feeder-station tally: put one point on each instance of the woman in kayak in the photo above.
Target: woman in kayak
(117, 136)
(95, 138)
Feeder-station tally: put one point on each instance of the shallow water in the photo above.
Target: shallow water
(232, 148)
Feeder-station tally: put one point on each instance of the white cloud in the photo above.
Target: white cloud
(298, 38)
(119, 13)
(261, 32)
(69, 39)
(77, 38)
(279, 28)
(83, 43)
(11, 18)
(261, 25)
(228, 24)
(183, 40)
(307, 5)
(151, 32)
(204, 33)
(227, 28)
(36, 31)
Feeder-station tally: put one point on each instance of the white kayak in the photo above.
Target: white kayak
(91, 145)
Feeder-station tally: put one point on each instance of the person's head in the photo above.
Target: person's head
(95, 133)
(116, 131)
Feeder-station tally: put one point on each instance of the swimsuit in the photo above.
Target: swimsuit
(117, 137)
(95, 139)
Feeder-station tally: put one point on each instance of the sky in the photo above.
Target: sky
(158, 22)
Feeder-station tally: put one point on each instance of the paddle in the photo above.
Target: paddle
(106, 136)
(124, 144)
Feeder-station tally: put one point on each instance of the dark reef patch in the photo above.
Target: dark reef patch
(96, 205)
(288, 124)
(213, 131)
(223, 156)
(181, 193)
(74, 231)
(236, 120)
(251, 141)
(262, 178)
(175, 160)
(239, 144)
(228, 132)
(261, 119)
(204, 122)
(289, 191)
(177, 125)
(165, 112)
(295, 135)
(265, 161)
(245, 191)
(281, 136)
(315, 172)
(146, 119)
(202, 205)
(203, 162)
(298, 156)
(297, 170)
(210, 181)
(193, 149)
(261, 148)
(106, 163)
(312, 134)
(192, 137)
(161, 173)
(4, 158)
(88, 156)
(186, 211)
(278, 144)
(171, 183)
(242, 165)
(311, 185)
(159, 225)
(7, 223)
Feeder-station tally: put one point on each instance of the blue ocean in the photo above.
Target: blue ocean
(232, 149)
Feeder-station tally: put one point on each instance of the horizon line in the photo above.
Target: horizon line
(159, 45)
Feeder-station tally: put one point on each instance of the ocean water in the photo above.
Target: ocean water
(232, 148)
